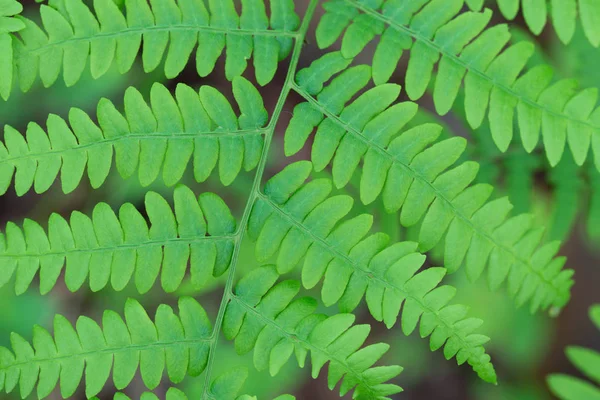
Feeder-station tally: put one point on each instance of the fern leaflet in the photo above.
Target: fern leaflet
(410, 172)
(107, 36)
(437, 33)
(114, 249)
(299, 221)
(266, 318)
(563, 14)
(121, 346)
(200, 126)
(8, 24)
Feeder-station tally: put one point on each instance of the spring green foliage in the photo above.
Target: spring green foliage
(563, 15)
(107, 248)
(268, 319)
(493, 75)
(308, 224)
(587, 361)
(410, 171)
(73, 34)
(8, 24)
(172, 342)
(193, 126)
(296, 223)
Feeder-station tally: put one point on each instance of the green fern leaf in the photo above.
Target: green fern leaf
(175, 343)
(413, 173)
(563, 14)
(107, 36)
(172, 394)
(8, 24)
(107, 248)
(297, 221)
(567, 387)
(198, 127)
(264, 315)
(436, 32)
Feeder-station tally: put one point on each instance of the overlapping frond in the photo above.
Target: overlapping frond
(106, 36)
(437, 33)
(177, 344)
(107, 248)
(414, 174)
(567, 387)
(302, 222)
(198, 126)
(8, 24)
(264, 316)
(563, 14)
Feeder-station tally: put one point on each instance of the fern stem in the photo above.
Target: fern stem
(414, 174)
(455, 59)
(255, 192)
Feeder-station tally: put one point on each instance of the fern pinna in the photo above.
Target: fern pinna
(304, 229)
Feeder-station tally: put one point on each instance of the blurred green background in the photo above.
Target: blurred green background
(524, 347)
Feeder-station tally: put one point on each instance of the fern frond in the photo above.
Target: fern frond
(114, 249)
(198, 126)
(264, 316)
(296, 221)
(437, 33)
(411, 173)
(563, 14)
(567, 387)
(8, 24)
(172, 394)
(107, 36)
(178, 344)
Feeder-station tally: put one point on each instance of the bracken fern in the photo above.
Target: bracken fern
(297, 223)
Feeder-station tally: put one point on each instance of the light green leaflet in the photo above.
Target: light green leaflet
(296, 221)
(120, 346)
(198, 127)
(563, 15)
(8, 24)
(74, 34)
(467, 54)
(107, 249)
(415, 174)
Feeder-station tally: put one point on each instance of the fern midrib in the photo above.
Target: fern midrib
(416, 175)
(135, 136)
(367, 273)
(294, 338)
(429, 43)
(152, 29)
(109, 350)
(255, 191)
(121, 247)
